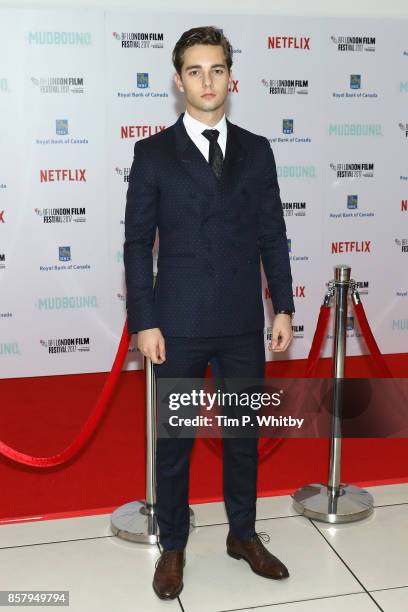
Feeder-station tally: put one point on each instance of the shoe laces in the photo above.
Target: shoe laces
(262, 535)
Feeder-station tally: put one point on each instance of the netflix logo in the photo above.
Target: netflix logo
(70, 175)
(354, 246)
(233, 88)
(289, 42)
(140, 131)
(298, 292)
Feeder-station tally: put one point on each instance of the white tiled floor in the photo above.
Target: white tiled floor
(360, 566)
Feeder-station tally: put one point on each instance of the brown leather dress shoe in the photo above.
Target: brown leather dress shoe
(168, 577)
(262, 562)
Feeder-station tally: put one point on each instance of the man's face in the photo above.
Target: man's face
(204, 77)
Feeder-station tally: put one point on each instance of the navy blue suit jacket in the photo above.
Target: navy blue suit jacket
(212, 234)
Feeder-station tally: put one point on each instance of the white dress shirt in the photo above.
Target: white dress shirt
(195, 128)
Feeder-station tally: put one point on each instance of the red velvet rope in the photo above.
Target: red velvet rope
(378, 359)
(319, 336)
(90, 424)
(266, 446)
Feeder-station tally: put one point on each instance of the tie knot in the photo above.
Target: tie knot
(211, 135)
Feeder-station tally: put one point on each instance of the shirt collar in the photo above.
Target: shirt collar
(197, 127)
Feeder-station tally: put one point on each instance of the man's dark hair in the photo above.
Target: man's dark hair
(206, 35)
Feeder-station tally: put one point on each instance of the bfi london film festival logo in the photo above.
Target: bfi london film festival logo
(286, 87)
(363, 286)
(289, 136)
(352, 206)
(64, 257)
(300, 43)
(355, 90)
(402, 243)
(59, 85)
(353, 44)
(140, 40)
(140, 131)
(141, 89)
(124, 173)
(59, 346)
(404, 129)
(75, 214)
(294, 209)
(353, 170)
(81, 39)
(61, 130)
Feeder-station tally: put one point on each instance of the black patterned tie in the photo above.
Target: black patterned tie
(215, 157)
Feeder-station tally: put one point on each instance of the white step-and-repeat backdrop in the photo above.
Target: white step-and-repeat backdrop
(79, 87)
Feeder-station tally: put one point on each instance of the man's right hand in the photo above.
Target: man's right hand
(150, 343)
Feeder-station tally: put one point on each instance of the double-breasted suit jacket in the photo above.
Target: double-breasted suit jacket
(213, 233)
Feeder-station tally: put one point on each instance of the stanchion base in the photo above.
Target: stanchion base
(317, 502)
(134, 522)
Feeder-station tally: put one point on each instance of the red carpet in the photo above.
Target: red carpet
(42, 415)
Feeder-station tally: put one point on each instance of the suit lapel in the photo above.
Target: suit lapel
(234, 161)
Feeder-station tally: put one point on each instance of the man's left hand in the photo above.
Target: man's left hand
(282, 333)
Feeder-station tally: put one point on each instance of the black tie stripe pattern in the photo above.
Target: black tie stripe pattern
(215, 157)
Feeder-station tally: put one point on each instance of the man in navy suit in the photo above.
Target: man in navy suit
(210, 187)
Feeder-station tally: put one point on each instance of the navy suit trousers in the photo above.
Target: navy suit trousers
(236, 356)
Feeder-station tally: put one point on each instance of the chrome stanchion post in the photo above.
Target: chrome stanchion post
(336, 502)
(137, 521)
(342, 279)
